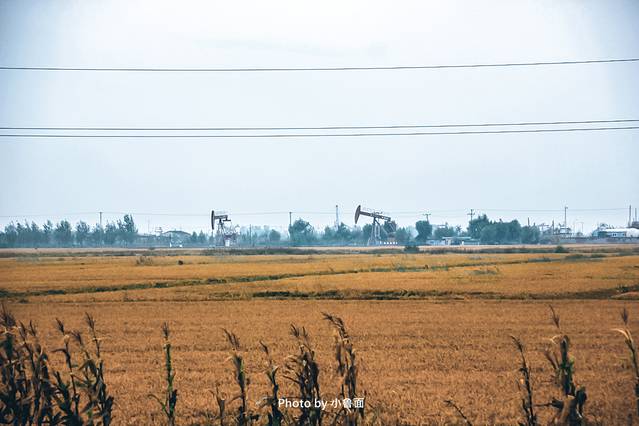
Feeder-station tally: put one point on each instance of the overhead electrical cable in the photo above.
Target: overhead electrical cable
(299, 69)
(440, 213)
(391, 126)
(306, 135)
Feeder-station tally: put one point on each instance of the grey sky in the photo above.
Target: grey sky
(445, 175)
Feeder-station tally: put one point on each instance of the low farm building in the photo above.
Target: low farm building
(618, 233)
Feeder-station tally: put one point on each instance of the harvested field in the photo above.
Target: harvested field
(69, 274)
(362, 276)
(445, 335)
(415, 354)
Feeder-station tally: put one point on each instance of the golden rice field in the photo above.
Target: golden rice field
(426, 327)
(68, 273)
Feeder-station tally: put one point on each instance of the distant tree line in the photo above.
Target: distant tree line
(302, 233)
(198, 239)
(489, 232)
(123, 232)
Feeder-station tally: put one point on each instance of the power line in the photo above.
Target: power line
(553, 210)
(440, 213)
(391, 126)
(313, 135)
(260, 213)
(297, 69)
(49, 215)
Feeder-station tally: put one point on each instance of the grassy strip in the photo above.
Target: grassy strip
(201, 252)
(427, 294)
(628, 250)
(382, 295)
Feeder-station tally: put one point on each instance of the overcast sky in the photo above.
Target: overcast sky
(443, 175)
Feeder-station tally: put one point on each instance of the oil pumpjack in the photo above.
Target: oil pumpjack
(226, 234)
(375, 238)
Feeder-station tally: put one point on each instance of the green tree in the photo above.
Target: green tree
(11, 234)
(201, 238)
(23, 235)
(530, 235)
(110, 233)
(47, 230)
(63, 235)
(424, 230)
(329, 234)
(475, 226)
(301, 232)
(274, 236)
(343, 233)
(501, 232)
(356, 234)
(488, 234)
(37, 234)
(444, 231)
(513, 233)
(402, 235)
(367, 230)
(97, 235)
(82, 231)
(127, 230)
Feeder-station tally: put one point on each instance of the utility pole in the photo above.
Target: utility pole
(565, 217)
(427, 217)
(101, 230)
(336, 217)
(629, 216)
(471, 214)
(529, 222)
(290, 219)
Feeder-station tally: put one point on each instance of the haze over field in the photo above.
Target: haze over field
(444, 175)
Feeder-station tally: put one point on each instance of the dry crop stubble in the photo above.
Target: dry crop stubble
(411, 355)
(414, 354)
(582, 278)
(30, 275)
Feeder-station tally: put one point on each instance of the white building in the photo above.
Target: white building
(618, 233)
